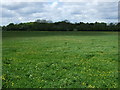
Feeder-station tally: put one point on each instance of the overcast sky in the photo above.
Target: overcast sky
(17, 12)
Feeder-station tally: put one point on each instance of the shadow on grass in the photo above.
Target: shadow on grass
(54, 33)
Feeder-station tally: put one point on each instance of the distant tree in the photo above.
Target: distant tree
(43, 21)
(65, 25)
(11, 27)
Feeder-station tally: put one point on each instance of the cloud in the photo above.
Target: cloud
(8, 13)
(56, 11)
(14, 5)
(89, 1)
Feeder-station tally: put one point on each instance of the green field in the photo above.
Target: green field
(60, 60)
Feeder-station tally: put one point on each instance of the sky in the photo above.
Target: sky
(57, 10)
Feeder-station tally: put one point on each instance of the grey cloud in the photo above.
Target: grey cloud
(14, 5)
(109, 10)
(8, 13)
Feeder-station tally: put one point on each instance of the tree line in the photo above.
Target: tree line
(44, 25)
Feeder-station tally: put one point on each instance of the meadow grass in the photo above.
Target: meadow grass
(60, 60)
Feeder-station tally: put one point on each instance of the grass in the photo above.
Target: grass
(60, 60)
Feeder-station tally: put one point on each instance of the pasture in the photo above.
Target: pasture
(60, 59)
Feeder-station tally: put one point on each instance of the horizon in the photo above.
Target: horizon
(63, 20)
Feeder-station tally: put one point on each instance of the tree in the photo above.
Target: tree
(65, 25)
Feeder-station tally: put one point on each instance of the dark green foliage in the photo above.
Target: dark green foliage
(43, 25)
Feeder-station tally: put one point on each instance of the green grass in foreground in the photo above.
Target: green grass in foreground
(60, 60)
